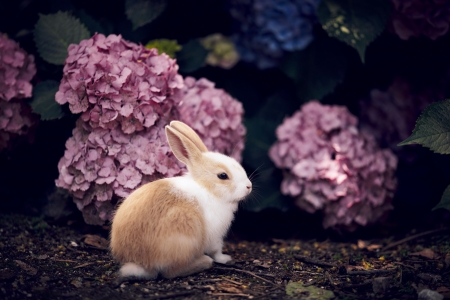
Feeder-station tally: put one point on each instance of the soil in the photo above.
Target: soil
(45, 259)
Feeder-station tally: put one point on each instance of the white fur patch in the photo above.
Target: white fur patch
(132, 269)
(218, 213)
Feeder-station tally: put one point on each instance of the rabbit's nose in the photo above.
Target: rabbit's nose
(249, 186)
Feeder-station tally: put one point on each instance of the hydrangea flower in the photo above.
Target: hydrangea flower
(114, 83)
(266, 29)
(214, 115)
(332, 167)
(221, 49)
(17, 68)
(413, 18)
(101, 166)
(15, 120)
(390, 115)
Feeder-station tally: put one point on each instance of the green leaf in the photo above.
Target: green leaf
(100, 26)
(356, 23)
(317, 71)
(297, 289)
(164, 46)
(266, 194)
(260, 137)
(445, 200)
(55, 32)
(142, 12)
(43, 102)
(191, 57)
(433, 128)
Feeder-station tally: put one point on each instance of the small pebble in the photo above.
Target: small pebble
(381, 285)
(427, 294)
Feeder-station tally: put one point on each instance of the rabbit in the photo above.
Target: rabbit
(175, 227)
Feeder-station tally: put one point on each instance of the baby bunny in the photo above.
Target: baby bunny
(175, 226)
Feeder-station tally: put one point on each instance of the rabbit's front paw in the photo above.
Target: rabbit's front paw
(222, 258)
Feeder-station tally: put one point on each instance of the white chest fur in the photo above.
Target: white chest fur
(218, 214)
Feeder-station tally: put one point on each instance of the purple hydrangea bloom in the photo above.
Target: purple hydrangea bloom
(17, 68)
(332, 167)
(113, 83)
(101, 166)
(16, 119)
(414, 18)
(390, 115)
(214, 115)
(266, 29)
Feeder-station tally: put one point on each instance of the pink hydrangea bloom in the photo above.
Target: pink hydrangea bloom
(413, 18)
(390, 115)
(332, 167)
(113, 83)
(17, 68)
(214, 115)
(16, 120)
(101, 166)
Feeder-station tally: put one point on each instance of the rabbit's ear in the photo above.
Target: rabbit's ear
(189, 133)
(182, 147)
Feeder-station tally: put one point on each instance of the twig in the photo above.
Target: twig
(266, 274)
(313, 261)
(76, 250)
(250, 273)
(410, 238)
(63, 260)
(370, 272)
(328, 276)
(232, 295)
(356, 285)
(232, 281)
(310, 283)
(83, 265)
(207, 280)
(405, 265)
(172, 295)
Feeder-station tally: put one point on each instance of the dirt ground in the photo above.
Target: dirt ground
(42, 259)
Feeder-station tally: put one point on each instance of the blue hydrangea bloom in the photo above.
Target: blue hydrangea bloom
(268, 28)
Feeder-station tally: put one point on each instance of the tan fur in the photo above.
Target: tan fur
(189, 133)
(206, 175)
(161, 227)
(151, 228)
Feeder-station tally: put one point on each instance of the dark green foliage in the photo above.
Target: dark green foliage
(142, 12)
(191, 57)
(445, 200)
(43, 102)
(55, 32)
(356, 23)
(433, 128)
(317, 71)
(260, 137)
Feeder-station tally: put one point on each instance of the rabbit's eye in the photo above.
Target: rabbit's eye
(222, 176)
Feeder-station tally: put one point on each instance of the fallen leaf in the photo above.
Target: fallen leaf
(428, 253)
(362, 244)
(444, 291)
(227, 287)
(27, 268)
(366, 265)
(373, 247)
(365, 245)
(96, 241)
(76, 283)
(352, 268)
(293, 289)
